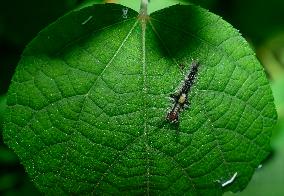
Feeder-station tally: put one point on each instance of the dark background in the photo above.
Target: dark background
(260, 21)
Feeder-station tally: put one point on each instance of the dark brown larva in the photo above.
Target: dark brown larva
(181, 98)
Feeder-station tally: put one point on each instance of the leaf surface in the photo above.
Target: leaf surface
(269, 179)
(88, 104)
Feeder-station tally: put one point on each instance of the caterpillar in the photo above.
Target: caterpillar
(181, 98)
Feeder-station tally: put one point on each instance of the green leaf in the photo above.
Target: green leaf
(269, 179)
(153, 6)
(89, 100)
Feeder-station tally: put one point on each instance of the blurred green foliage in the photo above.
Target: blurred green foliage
(260, 21)
(21, 20)
(2, 108)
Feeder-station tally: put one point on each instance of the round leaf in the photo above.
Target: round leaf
(88, 103)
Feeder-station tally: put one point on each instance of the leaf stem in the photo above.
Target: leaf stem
(143, 7)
